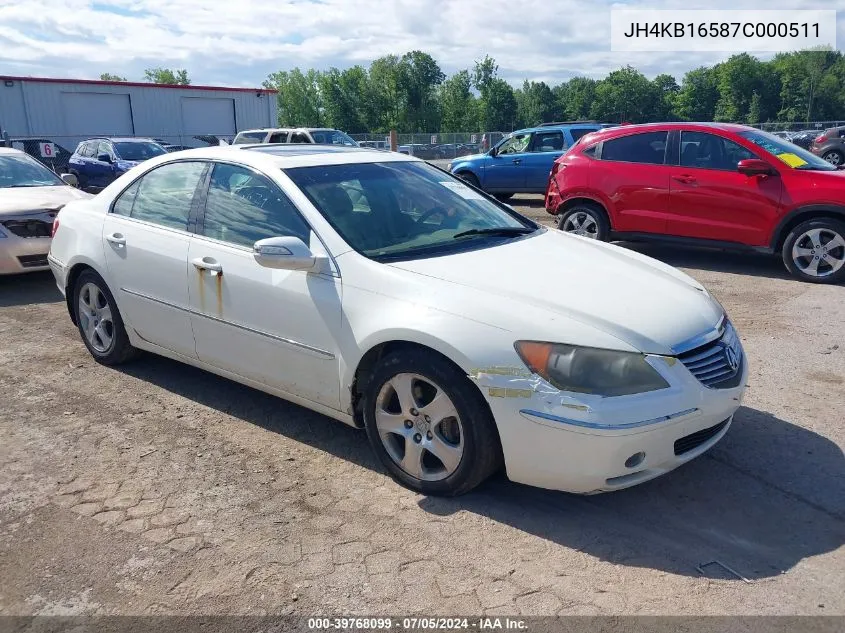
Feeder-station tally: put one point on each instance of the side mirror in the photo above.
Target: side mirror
(287, 253)
(755, 167)
(493, 152)
(70, 179)
(104, 158)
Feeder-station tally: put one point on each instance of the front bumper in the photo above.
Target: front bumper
(23, 255)
(582, 445)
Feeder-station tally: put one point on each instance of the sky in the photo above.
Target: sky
(240, 42)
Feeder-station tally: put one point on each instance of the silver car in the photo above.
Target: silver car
(30, 197)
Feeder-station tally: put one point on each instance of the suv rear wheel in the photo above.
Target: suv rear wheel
(586, 220)
(815, 251)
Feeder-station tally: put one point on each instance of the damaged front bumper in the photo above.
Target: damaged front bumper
(587, 444)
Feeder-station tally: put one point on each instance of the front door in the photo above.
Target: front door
(277, 327)
(504, 172)
(146, 243)
(545, 149)
(710, 199)
(102, 171)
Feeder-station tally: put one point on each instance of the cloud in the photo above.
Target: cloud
(240, 43)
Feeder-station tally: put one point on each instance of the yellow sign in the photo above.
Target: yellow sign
(792, 160)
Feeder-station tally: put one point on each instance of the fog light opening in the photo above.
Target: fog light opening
(635, 460)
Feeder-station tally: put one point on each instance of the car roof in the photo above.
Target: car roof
(12, 150)
(289, 129)
(560, 126)
(285, 155)
(624, 130)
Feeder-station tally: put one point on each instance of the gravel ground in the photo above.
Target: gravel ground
(159, 489)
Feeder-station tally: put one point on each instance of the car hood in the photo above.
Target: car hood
(471, 157)
(17, 199)
(647, 304)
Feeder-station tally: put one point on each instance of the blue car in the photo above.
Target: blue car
(97, 162)
(521, 162)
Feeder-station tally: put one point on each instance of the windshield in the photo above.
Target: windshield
(23, 171)
(401, 210)
(789, 153)
(332, 137)
(138, 151)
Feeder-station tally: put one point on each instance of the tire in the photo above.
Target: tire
(801, 251)
(94, 305)
(834, 157)
(470, 178)
(503, 197)
(585, 219)
(465, 435)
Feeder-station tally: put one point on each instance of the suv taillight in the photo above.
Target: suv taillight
(55, 227)
(820, 139)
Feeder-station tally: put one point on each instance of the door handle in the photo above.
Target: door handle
(117, 239)
(517, 161)
(207, 263)
(687, 180)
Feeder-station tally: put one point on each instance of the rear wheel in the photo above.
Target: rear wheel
(586, 220)
(99, 321)
(503, 197)
(429, 425)
(834, 157)
(814, 251)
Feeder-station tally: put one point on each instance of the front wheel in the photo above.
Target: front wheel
(429, 425)
(814, 251)
(585, 220)
(99, 321)
(469, 178)
(503, 197)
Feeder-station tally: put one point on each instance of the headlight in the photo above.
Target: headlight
(588, 370)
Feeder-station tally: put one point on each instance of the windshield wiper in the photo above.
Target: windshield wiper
(499, 230)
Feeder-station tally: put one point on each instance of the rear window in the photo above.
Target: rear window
(648, 148)
(577, 133)
(245, 138)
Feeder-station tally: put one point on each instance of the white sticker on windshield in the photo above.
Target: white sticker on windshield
(462, 190)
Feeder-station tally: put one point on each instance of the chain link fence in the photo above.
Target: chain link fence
(798, 126)
(435, 145)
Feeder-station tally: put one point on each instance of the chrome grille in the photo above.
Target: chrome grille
(717, 364)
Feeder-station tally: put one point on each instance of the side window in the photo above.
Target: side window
(299, 137)
(163, 196)
(547, 142)
(708, 151)
(648, 148)
(515, 144)
(124, 202)
(87, 149)
(279, 137)
(103, 148)
(579, 132)
(244, 207)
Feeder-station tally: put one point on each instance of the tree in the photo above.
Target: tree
(535, 103)
(739, 78)
(418, 78)
(625, 95)
(111, 77)
(667, 92)
(696, 100)
(167, 76)
(457, 104)
(755, 109)
(497, 110)
(574, 98)
(298, 97)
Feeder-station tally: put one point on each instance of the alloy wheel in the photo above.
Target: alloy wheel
(581, 223)
(419, 427)
(95, 318)
(834, 158)
(819, 252)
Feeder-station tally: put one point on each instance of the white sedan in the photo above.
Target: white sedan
(385, 293)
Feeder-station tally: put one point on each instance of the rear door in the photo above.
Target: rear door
(633, 176)
(145, 239)
(545, 149)
(505, 172)
(710, 199)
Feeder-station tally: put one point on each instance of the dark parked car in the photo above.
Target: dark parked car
(830, 145)
(98, 162)
(804, 138)
(58, 162)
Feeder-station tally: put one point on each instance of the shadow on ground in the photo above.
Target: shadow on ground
(769, 495)
(18, 290)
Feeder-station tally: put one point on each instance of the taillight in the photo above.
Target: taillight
(55, 227)
(555, 168)
(820, 139)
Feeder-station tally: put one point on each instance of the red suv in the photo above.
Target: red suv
(709, 184)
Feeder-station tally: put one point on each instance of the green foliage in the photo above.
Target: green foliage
(111, 77)
(167, 76)
(410, 93)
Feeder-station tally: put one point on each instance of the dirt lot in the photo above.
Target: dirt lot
(157, 488)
